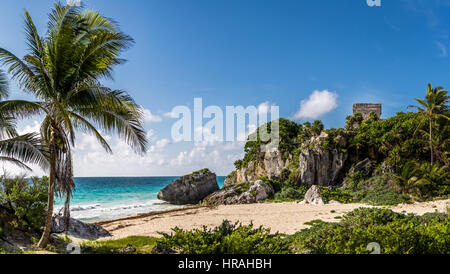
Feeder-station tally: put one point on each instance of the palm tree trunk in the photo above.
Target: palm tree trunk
(67, 213)
(51, 192)
(431, 142)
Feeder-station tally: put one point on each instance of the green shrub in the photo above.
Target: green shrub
(142, 244)
(231, 175)
(335, 195)
(396, 233)
(225, 239)
(378, 190)
(27, 199)
(289, 193)
(285, 173)
(276, 184)
(201, 171)
(385, 197)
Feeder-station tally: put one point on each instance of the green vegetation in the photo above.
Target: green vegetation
(289, 133)
(242, 187)
(335, 194)
(24, 203)
(286, 192)
(384, 197)
(289, 194)
(227, 238)
(379, 190)
(129, 245)
(396, 233)
(202, 171)
(434, 108)
(231, 175)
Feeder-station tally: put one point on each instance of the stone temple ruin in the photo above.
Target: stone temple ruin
(366, 109)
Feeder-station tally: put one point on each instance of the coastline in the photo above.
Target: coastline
(286, 218)
(144, 215)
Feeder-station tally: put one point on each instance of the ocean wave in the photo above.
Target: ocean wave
(104, 212)
(84, 207)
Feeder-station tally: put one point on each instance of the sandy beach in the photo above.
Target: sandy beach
(279, 217)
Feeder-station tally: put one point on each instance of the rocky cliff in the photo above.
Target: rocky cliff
(313, 162)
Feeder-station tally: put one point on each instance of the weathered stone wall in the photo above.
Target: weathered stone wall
(366, 109)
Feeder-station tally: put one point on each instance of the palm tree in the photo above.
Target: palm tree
(433, 107)
(63, 71)
(16, 149)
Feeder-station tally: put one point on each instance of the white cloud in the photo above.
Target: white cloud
(171, 114)
(159, 145)
(91, 160)
(34, 128)
(150, 135)
(264, 108)
(442, 48)
(150, 117)
(165, 157)
(219, 158)
(318, 104)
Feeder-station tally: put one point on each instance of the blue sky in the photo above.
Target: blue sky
(250, 52)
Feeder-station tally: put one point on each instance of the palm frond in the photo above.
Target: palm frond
(84, 125)
(21, 108)
(7, 127)
(26, 148)
(18, 69)
(126, 124)
(4, 90)
(15, 162)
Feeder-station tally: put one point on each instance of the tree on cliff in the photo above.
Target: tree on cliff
(434, 107)
(63, 71)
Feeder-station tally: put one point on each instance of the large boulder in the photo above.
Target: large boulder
(313, 196)
(190, 189)
(78, 229)
(243, 193)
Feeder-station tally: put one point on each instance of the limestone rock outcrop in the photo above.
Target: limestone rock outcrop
(243, 193)
(315, 165)
(78, 229)
(190, 189)
(313, 196)
(320, 166)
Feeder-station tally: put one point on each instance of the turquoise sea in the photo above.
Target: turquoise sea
(100, 199)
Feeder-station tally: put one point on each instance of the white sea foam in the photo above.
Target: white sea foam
(83, 207)
(103, 212)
